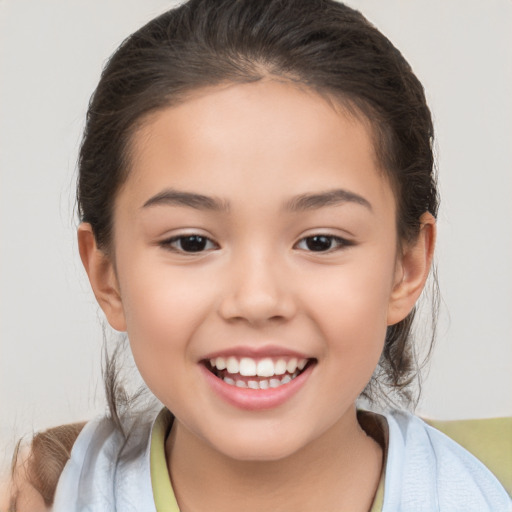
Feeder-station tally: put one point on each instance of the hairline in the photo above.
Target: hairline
(342, 103)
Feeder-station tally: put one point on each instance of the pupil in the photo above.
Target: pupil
(319, 243)
(193, 243)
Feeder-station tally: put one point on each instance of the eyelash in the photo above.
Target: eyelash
(168, 244)
(342, 243)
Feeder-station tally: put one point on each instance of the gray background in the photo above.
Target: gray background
(51, 54)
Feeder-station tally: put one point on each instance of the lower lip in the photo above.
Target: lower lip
(256, 399)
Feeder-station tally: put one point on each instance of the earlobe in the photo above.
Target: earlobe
(102, 277)
(412, 271)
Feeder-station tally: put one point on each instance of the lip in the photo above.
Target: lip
(259, 352)
(256, 399)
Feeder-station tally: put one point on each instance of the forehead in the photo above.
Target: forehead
(267, 136)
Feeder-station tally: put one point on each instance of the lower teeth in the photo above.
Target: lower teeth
(260, 384)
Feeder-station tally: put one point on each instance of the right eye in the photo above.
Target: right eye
(188, 244)
(324, 243)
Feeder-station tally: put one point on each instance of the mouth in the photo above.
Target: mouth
(257, 373)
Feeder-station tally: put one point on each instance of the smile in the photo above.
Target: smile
(264, 373)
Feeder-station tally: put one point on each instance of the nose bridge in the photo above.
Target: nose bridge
(258, 290)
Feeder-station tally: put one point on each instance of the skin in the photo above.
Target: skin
(17, 494)
(259, 284)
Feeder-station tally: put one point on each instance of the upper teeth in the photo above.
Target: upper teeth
(266, 367)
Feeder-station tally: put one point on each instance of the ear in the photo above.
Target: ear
(412, 271)
(102, 276)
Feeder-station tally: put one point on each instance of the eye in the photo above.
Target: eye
(323, 243)
(188, 244)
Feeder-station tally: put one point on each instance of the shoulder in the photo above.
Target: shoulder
(426, 470)
(82, 467)
(108, 469)
(490, 440)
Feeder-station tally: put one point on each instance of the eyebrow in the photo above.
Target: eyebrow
(336, 197)
(300, 203)
(172, 197)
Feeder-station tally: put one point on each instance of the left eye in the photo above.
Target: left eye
(188, 243)
(323, 243)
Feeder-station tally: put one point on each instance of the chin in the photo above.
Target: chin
(264, 445)
(261, 453)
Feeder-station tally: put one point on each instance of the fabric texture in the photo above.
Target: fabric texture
(106, 472)
(489, 440)
(425, 471)
(428, 471)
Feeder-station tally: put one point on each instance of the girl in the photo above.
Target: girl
(258, 210)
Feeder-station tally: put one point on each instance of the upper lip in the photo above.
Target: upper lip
(256, 352)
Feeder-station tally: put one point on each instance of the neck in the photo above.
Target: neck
(340, 470)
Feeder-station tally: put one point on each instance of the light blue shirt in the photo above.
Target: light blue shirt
(425, 471)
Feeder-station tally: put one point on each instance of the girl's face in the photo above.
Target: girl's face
(256, 231)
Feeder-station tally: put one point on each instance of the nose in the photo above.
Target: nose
(258, 291)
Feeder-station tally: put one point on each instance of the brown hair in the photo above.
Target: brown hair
(322, 44)
(41, 469)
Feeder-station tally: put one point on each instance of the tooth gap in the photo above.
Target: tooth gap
(212, 369)
(308, 364)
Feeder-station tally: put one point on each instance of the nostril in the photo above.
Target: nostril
(258, 301)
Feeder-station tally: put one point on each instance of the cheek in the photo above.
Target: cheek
(352, 307)
(352, 314)
(162, 314)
